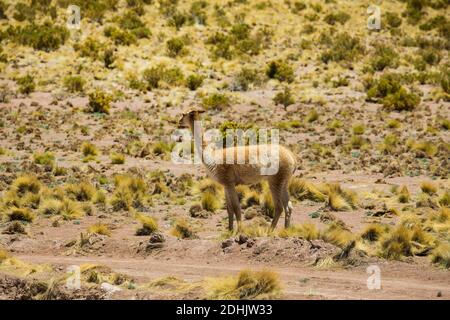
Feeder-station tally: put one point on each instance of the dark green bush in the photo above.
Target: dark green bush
(90, 47)
(402, 100)
(298, 6)
(216, 101)
(384, 57)
(387, 84)
(176, 47)
(193, 82)
(3, 8)
(245, 78)
(280, 70)
(109, 58)
(284, 98)
(430, 56)
(99, 102)
(338, 17)
(74, 83)
(120, 37)
(343, 48)
(45, 37)
(93, 10)
(393, 20)
(26, 84)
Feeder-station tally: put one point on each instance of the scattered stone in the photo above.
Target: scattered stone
(227, 243)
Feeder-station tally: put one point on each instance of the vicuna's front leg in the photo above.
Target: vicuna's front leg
(233, 206)
(276, 191)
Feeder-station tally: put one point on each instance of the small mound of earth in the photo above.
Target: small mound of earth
(14, 288)
(279, 250)
(242, 248)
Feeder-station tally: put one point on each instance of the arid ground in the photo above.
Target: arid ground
(87, 181)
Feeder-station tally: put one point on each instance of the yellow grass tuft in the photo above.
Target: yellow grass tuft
(100, 228)
(182, 230)
(210, 202)
(428, 187)
(149, 225)
(396, 244)
(307, 231)
(248, 284)
(19, 214)
(83, 191)
(374, 232)
(208, 185)
(117, 158)
(302, 190)
(403, 195)
(441, 255)
(26, 184)
(338, 236)
(88, 149)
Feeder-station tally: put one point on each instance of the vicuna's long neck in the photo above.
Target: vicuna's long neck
(200, 145)
(197, 133)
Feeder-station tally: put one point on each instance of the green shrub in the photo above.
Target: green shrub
(284, 98)
(247, 77)
(99, 102)
(120, 37)
(193, 82)
(89, 48)
(402, 100)
(298, 6)
(153, 76)
(109, 58)
(393, 20)
(430, 56)
(280, 70)
(175, 47)
(333, 18)
(74, 83)
(26, 84)
(93, 10)
(45, 37)
(131, 21)
(384, 57)
(216, 101)
(240, 31)
(343, 48)
(3, 8)
(387, 84)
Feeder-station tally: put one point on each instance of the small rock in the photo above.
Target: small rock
(109, 287)
(227, 243)
(157, 237)
(439, 294)
(242, 239)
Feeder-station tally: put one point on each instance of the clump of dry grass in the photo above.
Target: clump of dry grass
(396, 244)
(339, 199)
(100, 228)
(248, 284)
(403, 195)
(83, 191)
(267, 202)
(149, 225)
(336, 235)
(88, 149)
(19, 214)
(117, 158)
(181, 229)
(25, 184)
(302, 190)
(441, 255)
(130, 192)
(428, 187)
(374, 232)
(210, 202)
(307, 231)
(3, 255)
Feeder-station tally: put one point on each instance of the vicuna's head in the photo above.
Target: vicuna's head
(188, 118)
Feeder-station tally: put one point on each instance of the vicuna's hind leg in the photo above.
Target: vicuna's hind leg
(275, 190)
(233, 206)
(287, 206)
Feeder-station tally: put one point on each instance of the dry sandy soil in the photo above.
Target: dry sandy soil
(364, 160)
